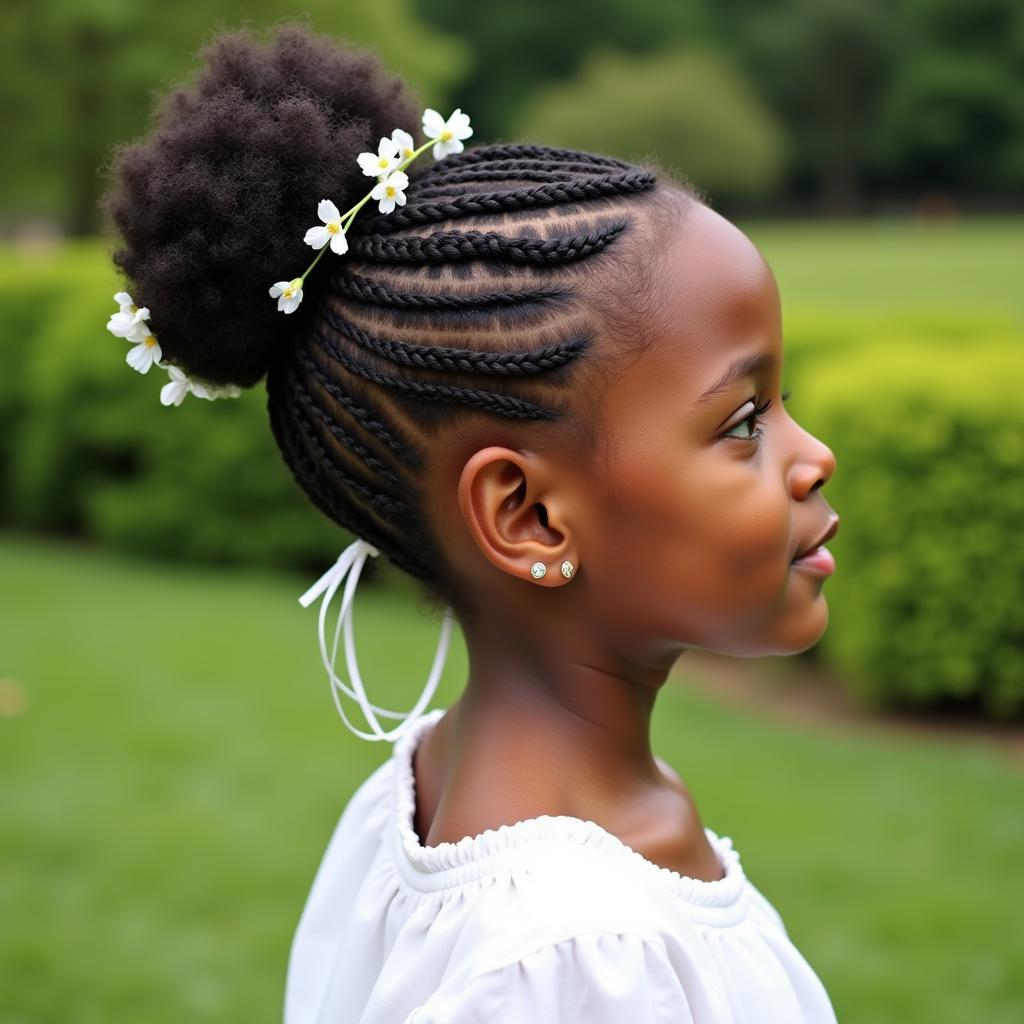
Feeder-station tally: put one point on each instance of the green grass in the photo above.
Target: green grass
(178, 765)
(890, 265)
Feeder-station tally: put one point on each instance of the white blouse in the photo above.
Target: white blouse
(551, 919)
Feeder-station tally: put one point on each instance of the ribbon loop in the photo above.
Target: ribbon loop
(347, 569)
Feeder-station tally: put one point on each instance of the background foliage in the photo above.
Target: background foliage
(168, 786)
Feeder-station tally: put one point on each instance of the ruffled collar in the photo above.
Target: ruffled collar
(432, 868)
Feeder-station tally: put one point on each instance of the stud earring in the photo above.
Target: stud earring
(538, 569)
(568, 569)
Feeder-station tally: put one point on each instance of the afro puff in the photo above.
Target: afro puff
(211, 205)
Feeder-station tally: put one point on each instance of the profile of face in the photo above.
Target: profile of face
(685, 526)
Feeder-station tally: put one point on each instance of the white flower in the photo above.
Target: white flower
(130, 321)
(390, 191)
(144, 354)
(180, 384)
(404, 142)
(175, 390)
(448, 135)
(330, 231)
(384, 162)
(288, 294)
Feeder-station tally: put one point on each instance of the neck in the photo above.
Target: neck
(555, 723)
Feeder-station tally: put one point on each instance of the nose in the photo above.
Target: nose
(812, 466)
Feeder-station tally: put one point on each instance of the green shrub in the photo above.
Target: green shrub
(94, 453)
(926, 604)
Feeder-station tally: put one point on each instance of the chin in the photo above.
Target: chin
(807, 630)
(793, 634)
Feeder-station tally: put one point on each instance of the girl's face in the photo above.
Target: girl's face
(700, 507)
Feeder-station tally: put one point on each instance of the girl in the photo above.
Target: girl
(546, 385)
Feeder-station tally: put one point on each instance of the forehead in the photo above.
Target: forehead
(718, 297)
(717, 301)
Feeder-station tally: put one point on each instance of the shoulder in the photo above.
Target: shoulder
(597, 977)
(568, 941)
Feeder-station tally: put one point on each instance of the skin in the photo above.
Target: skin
(682, 537)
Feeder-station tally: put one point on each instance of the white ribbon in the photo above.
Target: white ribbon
(350, 562)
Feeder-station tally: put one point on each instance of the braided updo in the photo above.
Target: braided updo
(508, 286)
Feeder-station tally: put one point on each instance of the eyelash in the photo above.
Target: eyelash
(755, 415)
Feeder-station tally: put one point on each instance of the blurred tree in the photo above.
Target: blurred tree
(520, 47)
(80, 76)
(910, 96)
(688, 110)
(823, 65)
(954, 115)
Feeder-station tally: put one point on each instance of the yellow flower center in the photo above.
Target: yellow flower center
(149, 341)
(446, 135)
(390, 189)
(382, 161)
(293, 287)
(334, 227)
(407, 153)
(134, 308)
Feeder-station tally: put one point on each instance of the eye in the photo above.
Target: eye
(751, 419)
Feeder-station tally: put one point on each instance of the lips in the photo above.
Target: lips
(829, 533)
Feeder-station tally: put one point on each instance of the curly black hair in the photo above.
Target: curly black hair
(508, 286)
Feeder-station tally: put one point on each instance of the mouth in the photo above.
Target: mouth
(817, 558)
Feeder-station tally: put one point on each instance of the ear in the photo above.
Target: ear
(517, 513)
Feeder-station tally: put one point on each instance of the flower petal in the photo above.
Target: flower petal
(317, 237)
(123, 299)
(173, 393)
(368, 163)
(327, 211)
(277, 288)
(138, 331)
(339, 243)
(458, 125)
(404, 141)
(387, 148)
(433, 123)
(140, 357)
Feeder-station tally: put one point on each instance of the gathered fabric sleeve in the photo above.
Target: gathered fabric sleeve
(596, 978)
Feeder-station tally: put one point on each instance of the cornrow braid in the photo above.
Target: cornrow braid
(448, 246)
(505, 287)
(459, 360)
(476, 398)
(357, 287)
(507, 202)
(539, 154)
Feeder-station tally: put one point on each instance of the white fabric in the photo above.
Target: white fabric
(552, 919)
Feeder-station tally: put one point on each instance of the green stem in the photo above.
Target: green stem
(350, 215)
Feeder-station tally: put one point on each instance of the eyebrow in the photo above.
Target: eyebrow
(745, 367)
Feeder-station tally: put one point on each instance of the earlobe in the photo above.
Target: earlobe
(513, 513)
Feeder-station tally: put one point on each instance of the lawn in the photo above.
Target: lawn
(172, 766)
(891, 265)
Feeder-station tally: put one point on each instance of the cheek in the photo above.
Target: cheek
(708, 541)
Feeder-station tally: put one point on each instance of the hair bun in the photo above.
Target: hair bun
(212, 204)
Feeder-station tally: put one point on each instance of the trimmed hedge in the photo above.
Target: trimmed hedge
(91, 451)
(927, 604)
